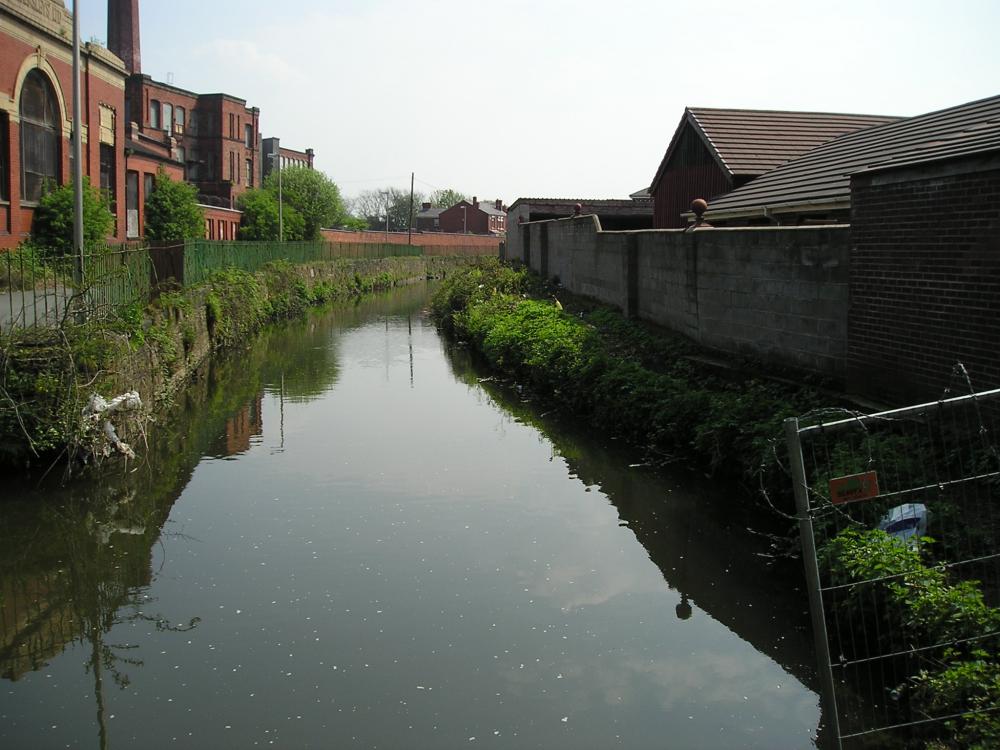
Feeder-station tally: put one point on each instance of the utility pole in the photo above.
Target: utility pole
(409, 229)
(386, 194)
(77, 154)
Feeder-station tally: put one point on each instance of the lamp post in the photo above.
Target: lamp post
(77, 152)
(276, 158)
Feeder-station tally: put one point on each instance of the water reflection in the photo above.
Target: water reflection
(77, 562)
(386, 557)
(699, 542)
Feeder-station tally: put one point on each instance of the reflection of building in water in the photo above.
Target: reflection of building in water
(36, 623)
(46, 605)
(244, 425)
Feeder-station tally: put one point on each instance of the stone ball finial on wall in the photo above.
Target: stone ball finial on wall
(699, 206)
(577, 209)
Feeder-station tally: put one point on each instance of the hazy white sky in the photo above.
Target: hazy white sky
(552, 98)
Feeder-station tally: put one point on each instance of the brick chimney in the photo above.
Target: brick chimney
(499, 205)
(425, 206)
(475, 202)
(123, 32)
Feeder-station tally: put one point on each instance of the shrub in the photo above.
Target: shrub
(52, 232)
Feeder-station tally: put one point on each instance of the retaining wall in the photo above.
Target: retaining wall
(777, 293)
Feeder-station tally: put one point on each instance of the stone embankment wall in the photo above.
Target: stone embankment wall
(780, 294)
(157, 371)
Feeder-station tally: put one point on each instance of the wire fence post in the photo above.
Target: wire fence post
(828, 693)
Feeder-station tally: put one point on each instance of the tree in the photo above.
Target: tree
(310, 192)
(371, 205)
(261, 221)
(172, 211)
(53, 229)
(447, 198)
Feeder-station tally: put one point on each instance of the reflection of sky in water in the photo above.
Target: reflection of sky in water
(415, 569)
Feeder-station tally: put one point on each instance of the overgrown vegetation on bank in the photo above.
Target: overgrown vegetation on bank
(652, 390)
(48, 373)
(619, 376)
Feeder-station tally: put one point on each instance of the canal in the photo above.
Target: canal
(348, 535)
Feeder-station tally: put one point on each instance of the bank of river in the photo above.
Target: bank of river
(344, 538)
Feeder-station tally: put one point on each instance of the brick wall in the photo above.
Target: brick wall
(925, 278)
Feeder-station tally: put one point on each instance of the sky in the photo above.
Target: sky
(551, 98)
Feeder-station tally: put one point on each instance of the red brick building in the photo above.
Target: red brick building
(36, 66)
(714, 151)
(474, 218)
(215, 137)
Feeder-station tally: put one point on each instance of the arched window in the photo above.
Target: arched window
(39, 135)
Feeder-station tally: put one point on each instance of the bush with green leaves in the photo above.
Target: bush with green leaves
(262, 222)
(616, 374)
(172, 211)
(910, 602)
(52, 232)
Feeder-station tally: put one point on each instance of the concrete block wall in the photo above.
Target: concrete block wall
(776, 293)
(667, 280)
(780, 293)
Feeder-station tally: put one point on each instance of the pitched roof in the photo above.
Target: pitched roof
(599, 202)
(430, 213)
(824, 174)
(750, 142)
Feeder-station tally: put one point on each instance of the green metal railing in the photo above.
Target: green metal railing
(38, 291)
(202, 257)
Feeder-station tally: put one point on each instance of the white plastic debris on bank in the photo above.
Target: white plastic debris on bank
(100, 410)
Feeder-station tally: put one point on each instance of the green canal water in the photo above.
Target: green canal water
(347, 535)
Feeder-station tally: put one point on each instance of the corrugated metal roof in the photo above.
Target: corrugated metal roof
(750, 142)
(824, 174)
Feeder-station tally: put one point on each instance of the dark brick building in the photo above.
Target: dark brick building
(272, 150)
(714, 151)
(925, 276)
(922, 196)
(36, 106)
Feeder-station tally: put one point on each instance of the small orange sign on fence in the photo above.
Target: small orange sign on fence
(853, 488)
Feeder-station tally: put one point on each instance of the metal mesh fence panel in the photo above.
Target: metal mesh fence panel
(899, 528)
